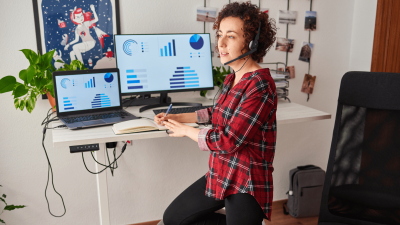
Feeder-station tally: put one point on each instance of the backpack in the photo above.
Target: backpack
(305, 191)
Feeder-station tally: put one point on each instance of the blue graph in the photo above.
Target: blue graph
(196, 41)
(69, 103)
(168, 50)
(108, 77)
(184, 77)
(129, 45)
(63, 82)
(91, 83)
(101, 100)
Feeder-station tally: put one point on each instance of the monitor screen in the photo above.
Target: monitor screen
(87, 91)
(151, 63)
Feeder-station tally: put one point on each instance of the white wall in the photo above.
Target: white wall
(153, 172)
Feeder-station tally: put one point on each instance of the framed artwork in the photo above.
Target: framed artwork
(82, 30)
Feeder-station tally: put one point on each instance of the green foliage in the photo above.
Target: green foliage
(218, 77)
(8, 207)
(37, 78)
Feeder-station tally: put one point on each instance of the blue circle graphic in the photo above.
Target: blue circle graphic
(63, 82)
(108, 77)
(129, 45)
(196, 41)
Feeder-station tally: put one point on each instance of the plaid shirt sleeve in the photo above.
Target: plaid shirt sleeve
(204, 115)
(255, 107)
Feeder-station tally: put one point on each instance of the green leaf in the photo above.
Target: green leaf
(47, 58)
(12, 207)
(30, 73)
(16, 103)
(4, 195)
(22, 104)
(23, 75)
(30, 103)
(2, 221)
(20, 90)
(3, 200)
(7, 84)
(30, 55)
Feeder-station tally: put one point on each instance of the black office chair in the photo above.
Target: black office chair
(362, 182)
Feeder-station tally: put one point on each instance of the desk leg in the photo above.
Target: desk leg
(102, 189)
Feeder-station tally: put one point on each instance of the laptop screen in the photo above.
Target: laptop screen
(87, 91)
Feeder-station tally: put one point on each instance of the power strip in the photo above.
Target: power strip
(84, 148)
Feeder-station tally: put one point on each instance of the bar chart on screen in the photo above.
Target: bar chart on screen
(136, 78)
(91, 83)
(101, 100)
(167, 48)
(184, 77)
(69, 102)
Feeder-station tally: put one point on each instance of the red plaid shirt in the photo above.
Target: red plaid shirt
(242, 138)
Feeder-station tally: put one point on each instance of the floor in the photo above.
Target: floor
(278, 218)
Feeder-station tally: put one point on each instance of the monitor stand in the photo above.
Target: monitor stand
(155, 102)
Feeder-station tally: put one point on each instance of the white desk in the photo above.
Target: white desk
(286, 113)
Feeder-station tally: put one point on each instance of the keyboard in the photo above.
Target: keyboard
(95, 117)
(182, 110)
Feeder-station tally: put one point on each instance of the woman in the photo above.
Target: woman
(242, 139)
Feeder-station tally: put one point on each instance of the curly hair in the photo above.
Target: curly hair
(251, 16)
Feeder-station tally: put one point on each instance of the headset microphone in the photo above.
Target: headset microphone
(253, 46)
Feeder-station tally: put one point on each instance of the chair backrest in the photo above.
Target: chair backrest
(362, 179)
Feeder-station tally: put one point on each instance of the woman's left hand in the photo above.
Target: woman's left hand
(180, 130)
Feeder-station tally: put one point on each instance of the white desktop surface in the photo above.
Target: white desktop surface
(286, 113)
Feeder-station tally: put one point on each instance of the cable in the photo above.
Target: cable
(46, 122)
(106, 166)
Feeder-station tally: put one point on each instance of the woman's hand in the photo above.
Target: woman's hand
(180, 130)
(66, 47)
(161, 117)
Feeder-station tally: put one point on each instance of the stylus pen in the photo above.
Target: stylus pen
(166, 113)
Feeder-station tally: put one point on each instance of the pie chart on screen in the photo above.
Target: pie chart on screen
(108, 77)
(196, 41)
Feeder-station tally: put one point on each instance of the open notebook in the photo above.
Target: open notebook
(140, 125)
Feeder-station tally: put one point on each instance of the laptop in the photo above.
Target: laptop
(89, 98)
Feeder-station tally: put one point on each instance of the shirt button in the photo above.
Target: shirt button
(237, 145)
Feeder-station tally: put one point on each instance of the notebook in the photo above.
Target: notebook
(89, 98)
(140, 125)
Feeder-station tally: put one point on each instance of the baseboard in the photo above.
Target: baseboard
(154, 222)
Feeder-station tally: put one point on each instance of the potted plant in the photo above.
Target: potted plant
(8, 207)
(37, 78)
(218, 81)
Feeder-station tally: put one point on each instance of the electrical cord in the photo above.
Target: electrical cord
(46, 122)
(106, 166)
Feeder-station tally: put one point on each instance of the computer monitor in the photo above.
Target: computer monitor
(163, 63)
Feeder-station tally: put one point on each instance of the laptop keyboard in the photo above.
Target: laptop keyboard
(95, 117)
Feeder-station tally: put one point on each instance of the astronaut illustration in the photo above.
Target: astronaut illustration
(84, 24)
(57, 56)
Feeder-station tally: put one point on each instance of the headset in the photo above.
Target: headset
(253, 45)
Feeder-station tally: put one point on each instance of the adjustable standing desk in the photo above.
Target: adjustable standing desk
(286, 113)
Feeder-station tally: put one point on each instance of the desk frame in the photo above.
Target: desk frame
(286, 113)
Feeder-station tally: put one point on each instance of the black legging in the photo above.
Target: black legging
(192, 207)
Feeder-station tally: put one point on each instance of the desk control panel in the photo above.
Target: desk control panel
(84, 148)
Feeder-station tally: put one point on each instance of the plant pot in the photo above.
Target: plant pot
(211, 93)
(52, 101)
